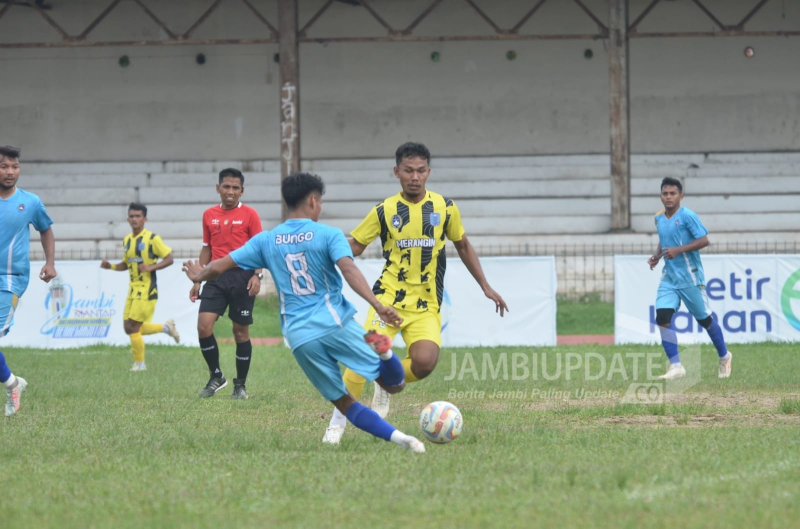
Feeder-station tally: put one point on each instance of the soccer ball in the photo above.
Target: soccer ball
(441, 422)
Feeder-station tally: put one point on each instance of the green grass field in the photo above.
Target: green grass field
(97, 446)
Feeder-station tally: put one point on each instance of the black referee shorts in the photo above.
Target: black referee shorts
(229, 291)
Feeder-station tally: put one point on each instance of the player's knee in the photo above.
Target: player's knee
(423, 368)
(241, 333)
(706, 322)
(664, 317)
(204, 330)
(392, 390)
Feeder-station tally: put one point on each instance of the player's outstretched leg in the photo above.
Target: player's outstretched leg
(391, 374)
(14, 387)
(210, 350)
(382, 345)
(669, 339)
(168, 328)
(715, 333)
(365, 419)
(137, 349)
(244, 355)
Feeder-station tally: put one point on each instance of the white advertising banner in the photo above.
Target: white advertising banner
(527, 284)
(86, 304)
(755, 298)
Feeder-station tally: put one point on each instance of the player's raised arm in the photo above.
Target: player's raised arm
(470, 259)
(359, 284)
(199, 273)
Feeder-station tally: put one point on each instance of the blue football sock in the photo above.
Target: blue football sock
(669, 339)
(715, 332)
(392, 371)
(5, 372)
(365, 419)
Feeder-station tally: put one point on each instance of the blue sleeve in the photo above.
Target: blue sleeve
(338, 246)
(695, 227)
(40, 220)
(252, 255)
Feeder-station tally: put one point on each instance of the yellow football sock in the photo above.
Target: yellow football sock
(137, 347)
(151, 328)
(354, 383)
(409, 374)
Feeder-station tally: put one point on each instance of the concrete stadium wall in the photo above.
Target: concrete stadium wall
(362, 100)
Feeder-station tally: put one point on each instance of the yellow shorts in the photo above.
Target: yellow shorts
(138, 309)
(416, 326)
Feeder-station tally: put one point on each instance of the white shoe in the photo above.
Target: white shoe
(172, 330)
(13, 395)
(380, 401)
(725, 366)
(414, 445)
(333, 435)
(139, 367)
(674, 371)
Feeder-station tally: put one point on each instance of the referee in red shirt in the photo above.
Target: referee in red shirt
(226, 228)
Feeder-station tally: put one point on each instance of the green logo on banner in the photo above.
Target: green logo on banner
(787, 295)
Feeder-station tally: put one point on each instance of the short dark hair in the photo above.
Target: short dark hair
(412, 150)
(296, 187)
(137, 207)
(230, 171)
(669, 181)
(7, 151)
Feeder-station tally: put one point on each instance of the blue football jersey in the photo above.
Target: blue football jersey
(682, 228)
(301, 255)
(16, 213)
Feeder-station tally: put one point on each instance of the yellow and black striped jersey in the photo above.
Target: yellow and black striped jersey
(413, 243)
(144, 248)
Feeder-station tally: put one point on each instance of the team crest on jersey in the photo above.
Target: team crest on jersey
(397, 221)
(140, 246)
(436, 219)
(226, 222)
(21, 208)
(677, 222)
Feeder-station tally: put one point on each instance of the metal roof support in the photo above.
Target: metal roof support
(619, 110)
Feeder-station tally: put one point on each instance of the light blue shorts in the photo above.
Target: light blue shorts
(695, 299)
(319, 359)
(8, 304)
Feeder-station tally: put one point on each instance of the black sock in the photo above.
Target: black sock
(211, 353)
(244, 351)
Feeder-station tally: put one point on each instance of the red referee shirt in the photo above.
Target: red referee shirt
(226, 230)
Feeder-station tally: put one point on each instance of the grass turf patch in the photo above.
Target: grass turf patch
(97, 446)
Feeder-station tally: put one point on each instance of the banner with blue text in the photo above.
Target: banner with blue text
(754, 298)
(84, 306)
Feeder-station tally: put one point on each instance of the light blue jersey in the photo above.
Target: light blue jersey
(16, 213)
(683, 227)
(301, 255)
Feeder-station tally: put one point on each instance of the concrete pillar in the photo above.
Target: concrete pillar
(290, 89)
(618, 89)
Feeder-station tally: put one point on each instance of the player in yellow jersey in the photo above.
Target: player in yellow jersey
(412, 226)
(143, 248)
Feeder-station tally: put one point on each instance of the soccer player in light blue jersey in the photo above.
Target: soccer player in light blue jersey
(316, 320)
(681, 236)
(18, 209)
